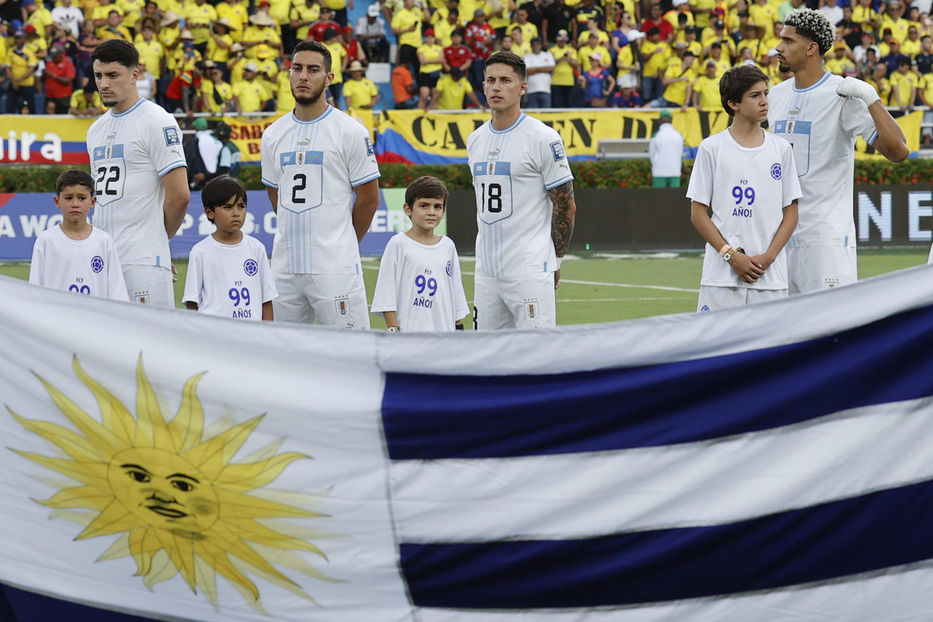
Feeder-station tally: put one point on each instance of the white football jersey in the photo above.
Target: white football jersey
(512, 173)
(229, 280)
(314, 233)
(747, 189)
(130, 153)
(89, 266)
(422, 284)
(822, 127)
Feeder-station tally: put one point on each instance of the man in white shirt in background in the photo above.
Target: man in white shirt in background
(666, 151)
(540, 65)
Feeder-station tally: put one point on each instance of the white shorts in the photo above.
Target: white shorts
(716, 298)
(329, 299)
(523, 302)
(150, 285)
(812, 268)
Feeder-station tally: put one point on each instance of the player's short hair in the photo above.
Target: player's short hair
(736, 82)
(426, 187)
(74, 177)
(314, 46)
(511, 59)
(813, 25)
(116, 51)
(220, 190)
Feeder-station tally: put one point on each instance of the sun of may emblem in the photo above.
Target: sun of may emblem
(173, 493)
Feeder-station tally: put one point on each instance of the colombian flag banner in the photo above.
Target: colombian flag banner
(763, 463)
(416, 137)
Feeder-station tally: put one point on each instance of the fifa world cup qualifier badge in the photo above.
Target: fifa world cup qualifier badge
(171, 136)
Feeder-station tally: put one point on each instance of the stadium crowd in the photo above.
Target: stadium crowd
(228, 56)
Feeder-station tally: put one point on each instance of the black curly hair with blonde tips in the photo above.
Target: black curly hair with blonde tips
(814, 26)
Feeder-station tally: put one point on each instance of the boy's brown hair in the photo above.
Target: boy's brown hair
(426, 187)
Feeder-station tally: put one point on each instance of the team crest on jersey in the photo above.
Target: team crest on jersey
(250, 267)
(171, 136)
(776, 170)
(558, 150)
(300, 158)
(450, 269)
(531, 308)
(342, 304)
(142, 297)
(97, 264)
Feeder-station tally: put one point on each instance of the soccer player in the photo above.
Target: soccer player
(524, 206)
(140, 174)
(747, 177)
(75, 256)
(313, 161)
(419, 287)
(821, 115)
(228, 271)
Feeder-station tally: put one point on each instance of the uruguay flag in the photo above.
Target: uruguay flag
(763, 463)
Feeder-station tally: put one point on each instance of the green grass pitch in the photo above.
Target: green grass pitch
(608, 287)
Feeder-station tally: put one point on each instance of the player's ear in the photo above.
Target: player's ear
(406, 208)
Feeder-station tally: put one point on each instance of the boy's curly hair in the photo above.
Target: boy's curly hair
(814, 26)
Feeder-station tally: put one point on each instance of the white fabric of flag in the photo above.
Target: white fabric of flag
(762, 463)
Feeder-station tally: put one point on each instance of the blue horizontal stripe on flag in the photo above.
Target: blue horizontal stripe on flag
(434, 417)
(818, 543)
(21, 606)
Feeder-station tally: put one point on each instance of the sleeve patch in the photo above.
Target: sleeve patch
(171, 136)
(557, 148)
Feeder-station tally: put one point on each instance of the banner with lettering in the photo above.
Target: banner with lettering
(24, 216)
(415, 137)
(408, 136)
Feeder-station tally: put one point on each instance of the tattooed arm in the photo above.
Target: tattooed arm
(565, 209)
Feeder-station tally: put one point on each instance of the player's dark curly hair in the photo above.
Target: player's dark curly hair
(814, 26)
(314, 46)
(220, 190)
(74, 177)
(736, 82)
(116, 51)
(426, 187)
(511, 59)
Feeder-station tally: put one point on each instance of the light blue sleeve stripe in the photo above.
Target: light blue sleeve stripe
(171, 167)
(561, 182)
(360, 182)
(266, 182)
(873, 138)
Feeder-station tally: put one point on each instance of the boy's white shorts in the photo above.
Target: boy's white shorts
(523, 302)
(716, 298)
(811, 268)
(330, 299)
(150, 285)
